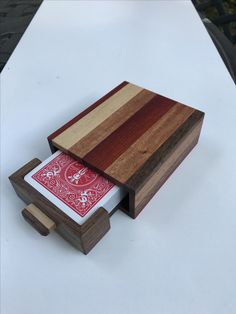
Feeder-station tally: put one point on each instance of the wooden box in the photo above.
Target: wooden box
(134, 137)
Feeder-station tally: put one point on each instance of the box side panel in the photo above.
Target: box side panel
(158, 178)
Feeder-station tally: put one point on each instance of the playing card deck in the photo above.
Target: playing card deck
(74, 188)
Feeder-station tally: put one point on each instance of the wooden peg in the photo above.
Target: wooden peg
(38, 220)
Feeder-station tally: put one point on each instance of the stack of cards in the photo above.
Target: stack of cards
(75, 189)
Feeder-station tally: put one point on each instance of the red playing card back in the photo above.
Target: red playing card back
(75, 185)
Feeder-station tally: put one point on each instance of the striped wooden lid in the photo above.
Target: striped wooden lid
(126, 133)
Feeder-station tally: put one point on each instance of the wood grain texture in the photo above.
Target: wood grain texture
(106, 152)
(92, 119)
(86, 111)
(112, 123)
(133, 158)
(83, 237)
(155, 161)
(130, 137)
(134, 211)
(171, 160)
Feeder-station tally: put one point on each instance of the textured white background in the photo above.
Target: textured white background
(179, 255)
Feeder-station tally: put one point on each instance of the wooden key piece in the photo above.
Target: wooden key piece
(41, 222)
(134, 138)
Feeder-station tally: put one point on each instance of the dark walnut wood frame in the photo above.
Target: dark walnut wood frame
(141, 186)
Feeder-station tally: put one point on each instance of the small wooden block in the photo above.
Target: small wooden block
(41, 222)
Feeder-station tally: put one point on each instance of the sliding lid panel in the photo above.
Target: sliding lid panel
(127, 134)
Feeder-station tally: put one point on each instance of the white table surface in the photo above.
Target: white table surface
(179, 255)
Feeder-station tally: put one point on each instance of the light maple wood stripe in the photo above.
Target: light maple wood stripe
(41, 217)
(85, 125)
(147, 188)
(104, 129)
(127, 163)
(86, 111)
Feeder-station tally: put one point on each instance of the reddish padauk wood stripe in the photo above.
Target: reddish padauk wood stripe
(114, 145)
(112, 123)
